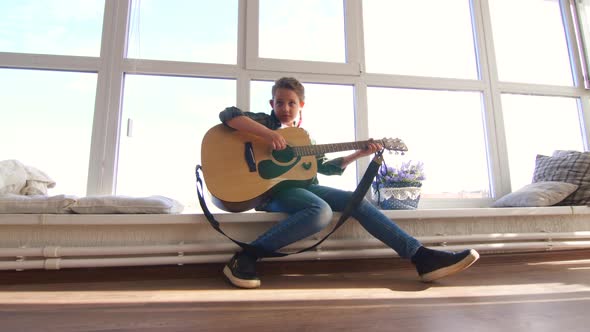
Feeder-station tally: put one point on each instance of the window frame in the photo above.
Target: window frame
(112, 65)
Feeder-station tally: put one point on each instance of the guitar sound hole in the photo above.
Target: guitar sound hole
(284, 155)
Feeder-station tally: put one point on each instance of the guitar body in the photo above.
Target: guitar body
(240, 169)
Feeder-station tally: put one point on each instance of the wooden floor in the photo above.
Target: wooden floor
(519, 292)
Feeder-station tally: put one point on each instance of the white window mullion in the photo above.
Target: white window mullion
(353, 14)
(539, 89)
(311, 67)
(353, 19)
(107, 115)
(420, 82)
(178, 68)
(585, 121)
(574, 50)
(251, 47)
(361, 122)
(48, 61)
(243, 77)
(579, 19)
(495, 135)
(579, 68)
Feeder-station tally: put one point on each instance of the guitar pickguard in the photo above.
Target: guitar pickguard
(268, 169)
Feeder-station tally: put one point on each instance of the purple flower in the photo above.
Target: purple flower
(407, 173)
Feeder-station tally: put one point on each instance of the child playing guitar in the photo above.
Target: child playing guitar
(310, 207)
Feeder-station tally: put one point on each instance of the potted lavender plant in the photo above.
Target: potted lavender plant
(398, 187)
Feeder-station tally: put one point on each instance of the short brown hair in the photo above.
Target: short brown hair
(290, 83)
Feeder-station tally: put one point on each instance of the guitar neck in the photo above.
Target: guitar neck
(318, 149)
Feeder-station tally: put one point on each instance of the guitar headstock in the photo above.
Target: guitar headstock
(394, 144)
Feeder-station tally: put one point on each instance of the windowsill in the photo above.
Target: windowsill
(487, 212)
(190, 218)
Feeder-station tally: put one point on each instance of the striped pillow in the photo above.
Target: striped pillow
(571, 167)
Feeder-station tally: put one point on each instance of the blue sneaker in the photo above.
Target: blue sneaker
(241, 270)
(434, 264)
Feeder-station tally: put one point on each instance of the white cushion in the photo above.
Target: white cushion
(126, 204)
(37, 182)
(12, 203)
(17, 178)
(13, 176)
(545, 193)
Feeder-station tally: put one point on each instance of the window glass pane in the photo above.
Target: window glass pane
(530, 43)
(443, 129)
(538, 125)
(47, 124)
(260, 94)
(414, 38)
(188, 30)
(65, 27)
(324, 124)
(302, 30)
(170, 116)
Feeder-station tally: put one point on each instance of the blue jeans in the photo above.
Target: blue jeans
(310, 210)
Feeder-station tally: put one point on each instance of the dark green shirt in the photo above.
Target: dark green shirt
(325, 166)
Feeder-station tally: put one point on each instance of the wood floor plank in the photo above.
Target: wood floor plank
(548, 291)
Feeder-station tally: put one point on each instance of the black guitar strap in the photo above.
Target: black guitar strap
(356, 198)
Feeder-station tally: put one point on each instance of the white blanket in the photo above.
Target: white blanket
(17, 178)
(23, 189)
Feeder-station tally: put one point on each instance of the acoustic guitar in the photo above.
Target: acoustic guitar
(240, 169)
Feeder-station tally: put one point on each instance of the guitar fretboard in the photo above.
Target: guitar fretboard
(314, 150)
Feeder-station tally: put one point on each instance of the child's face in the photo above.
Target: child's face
(287, 106)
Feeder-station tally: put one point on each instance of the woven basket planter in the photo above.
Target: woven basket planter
(400, 198)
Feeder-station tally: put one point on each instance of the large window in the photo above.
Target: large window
(165, 119)
(530, 43)
(538, 125)
(67, 27)
(302, 30)
(413, 38)
(442, 129)
(193, 30)
(47, 123)
(114, 96)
